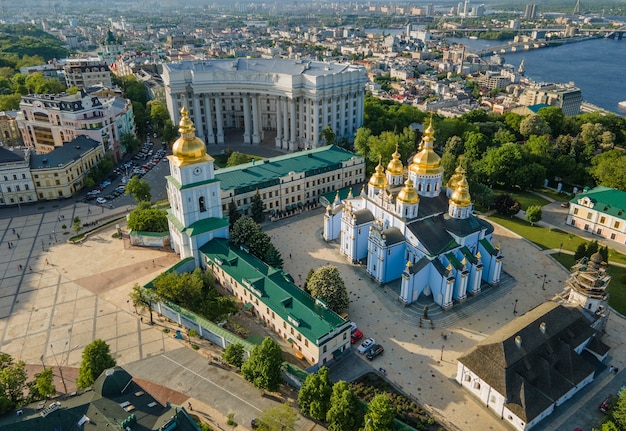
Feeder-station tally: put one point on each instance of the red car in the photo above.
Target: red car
(356, 336)
(607, 404)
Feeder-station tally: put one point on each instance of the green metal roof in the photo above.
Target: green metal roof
(267, 173)
(179, 186)
(606, 200)
(199, 227)
(485, 243)
(272, 288)
(329, 198)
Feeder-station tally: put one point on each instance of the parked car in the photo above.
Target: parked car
(366, 345)
(374, 351)
(356, 336)
(606, 405)
(353, 327)
(565, 205)
(101, 201)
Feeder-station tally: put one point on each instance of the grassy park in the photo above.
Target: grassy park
(567, 243)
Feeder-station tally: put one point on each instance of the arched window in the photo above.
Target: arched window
(201, 204)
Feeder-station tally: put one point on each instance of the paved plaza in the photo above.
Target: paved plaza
(56, 297)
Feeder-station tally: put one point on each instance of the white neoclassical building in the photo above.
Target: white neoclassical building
(295, 99)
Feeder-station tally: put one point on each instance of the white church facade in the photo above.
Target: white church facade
(414, 229)
(195, 216)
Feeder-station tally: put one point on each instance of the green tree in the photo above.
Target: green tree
(581, 251)
(328, 136)
(326, 283)
(233, 354)
(95, 359)
(141, 119)
(498, 164)
(43, 385)
(139, 189)
(256, 208)
(143, 298)
(10, 102)
(158, 114)
(609, 169)
(380, 414)
(503, 136)
(314, 395)
(506, 205)
(233, 213)
(273, 257)
(259, 243)
(237, 158)
(263, 366)
(169, 131)
(554, 118)
(279, 418)
(186, 289)
(147, 219)
(539, 147)
(609, 425)
(12, 382)
(130, 142)
(533, 214)
(76, 224)
(533, 125)
(345, 413)
(243, 229)
(618, 412)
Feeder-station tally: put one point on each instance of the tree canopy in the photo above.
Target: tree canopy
(380, 414)
(326, 283)
(263, 366)
(314, 395)
(237, 158)
(281, 417)
(95, 359)
(345, 413)
(139, 189)
(149, 219)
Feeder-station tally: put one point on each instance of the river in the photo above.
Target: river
(596, 66)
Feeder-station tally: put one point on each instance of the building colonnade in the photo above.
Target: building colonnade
(297, 120)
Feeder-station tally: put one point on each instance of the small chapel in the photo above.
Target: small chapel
(406, 225)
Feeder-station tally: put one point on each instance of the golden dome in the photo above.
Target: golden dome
(378, 180)
(395, 167)
(459, 173)
(461, 197)
(408, 195)
(426, 161)
(188, 148)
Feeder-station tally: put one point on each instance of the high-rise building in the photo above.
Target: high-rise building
(566, 96)
(531, 11)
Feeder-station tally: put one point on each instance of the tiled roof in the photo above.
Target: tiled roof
(272, 288)
(432, 235)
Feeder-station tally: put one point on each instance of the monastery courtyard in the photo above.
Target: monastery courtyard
(66, 295)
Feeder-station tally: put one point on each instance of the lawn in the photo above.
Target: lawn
(544, 238)
(548, 238)
(560, 197)
(616, 289)
(526, 199)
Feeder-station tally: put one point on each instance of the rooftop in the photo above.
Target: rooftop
(606, 200)
(261, 65)
(274, 289)
(60, 156)
(268, 172)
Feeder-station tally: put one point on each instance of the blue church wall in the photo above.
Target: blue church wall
(394, 263)
(361, 237)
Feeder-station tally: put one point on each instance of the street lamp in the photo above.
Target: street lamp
(543, 285)
(560, 247)
(515, 307)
